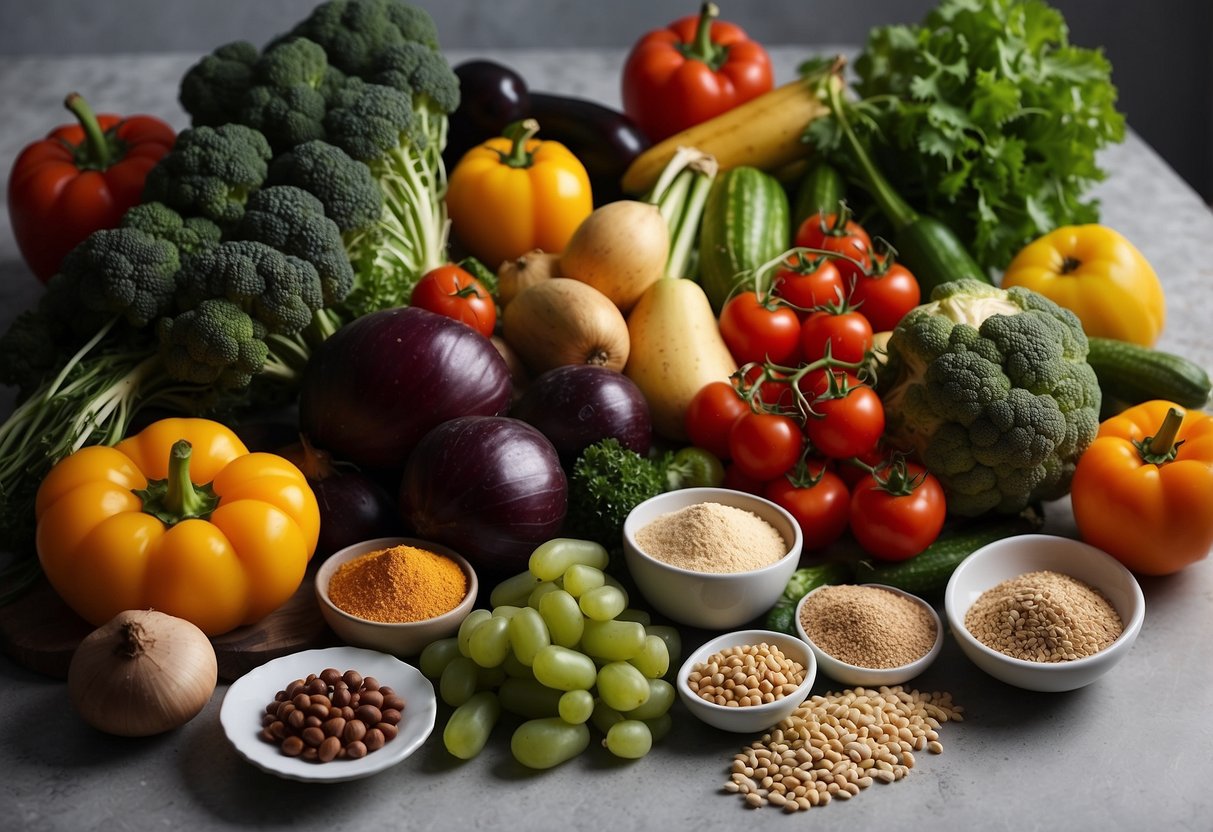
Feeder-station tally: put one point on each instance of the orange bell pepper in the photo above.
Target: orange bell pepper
(1143, 490)
(515, 194)
(180, 518)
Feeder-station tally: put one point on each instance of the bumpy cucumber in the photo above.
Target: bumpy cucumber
(1130, 373)
(820, 190)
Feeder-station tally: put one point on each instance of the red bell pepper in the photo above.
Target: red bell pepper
(692, 70)
(80, 178)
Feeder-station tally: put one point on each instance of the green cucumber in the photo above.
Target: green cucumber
(1131, 373)
(745, 224)
(820, 190)
(929, 571)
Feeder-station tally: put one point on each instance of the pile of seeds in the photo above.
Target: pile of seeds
(836, 745)
(749, 674)
(1044, 617)
(867, 626)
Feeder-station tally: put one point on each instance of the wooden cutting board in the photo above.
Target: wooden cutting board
(40, 633)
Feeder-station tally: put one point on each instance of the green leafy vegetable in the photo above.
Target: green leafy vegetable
(985, 117)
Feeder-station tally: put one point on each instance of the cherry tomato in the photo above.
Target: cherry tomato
(846, 426)
(886, 295)
(851, 474)
(840, 234)
(809, 283)
(736, 480)
(848, 333)
(896, 526)
(821, 505)
(765, 445)
(711, 413)
(773, 392)
(755, 329)
(455, 293)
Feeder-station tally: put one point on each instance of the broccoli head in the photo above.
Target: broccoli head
(369, 121)
(292, 221)
(287, 99)
(354, 32)
(212, 89)
(210, 172)
(216, 342)
(119, 271)
(421, 72)
(189, 234)
(279, 290)
(992, 389)
(345, 187)
(290, 63)
(606, 483)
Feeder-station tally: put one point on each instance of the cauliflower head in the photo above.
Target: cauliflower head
(992, 389)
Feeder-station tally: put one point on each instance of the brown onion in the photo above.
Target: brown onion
(143, 673)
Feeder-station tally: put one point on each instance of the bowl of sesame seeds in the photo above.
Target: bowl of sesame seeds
(1044, 612)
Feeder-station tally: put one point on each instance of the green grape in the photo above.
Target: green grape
(604, 716)
(516, 669)
(436, 655)
(544, 743)
(672, 639)
(541, 590)
(474, 619)
(659, 726)
(513, 590)
(661, 697)
(653, 660)
(564, 669)
(458, 681)
(489, 678)
(622, 686)
(488, 643)
(602, 603)
(579, 577)
(563, 617)
(575, 706)
(611, 580)
(528, 634)
(506, 611)
(633, 614)
(629, 738)
(529, 699)
(550, 560)
(469, 727)
(612, 640)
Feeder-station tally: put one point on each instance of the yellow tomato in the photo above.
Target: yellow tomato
(180, 518)
(1100, 276)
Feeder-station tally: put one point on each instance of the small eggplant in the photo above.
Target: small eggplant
(605, 140)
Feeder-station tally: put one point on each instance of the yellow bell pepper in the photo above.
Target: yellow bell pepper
(1100, 276)
(515, 194)
(180, 518)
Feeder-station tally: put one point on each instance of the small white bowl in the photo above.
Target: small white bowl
(404, 639)
(849, 674)
(710, 600)
(1013, 556)
(748, 719)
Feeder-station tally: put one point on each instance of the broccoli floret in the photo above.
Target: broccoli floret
(349, 193)
(189, 235)
(295, 62)
(287, 100)
(33, 347)
(354, 32)
(216, 342)
(606, 483)
(210, 172)
(279, 290)
(212, 90)
(292, 221)
(368, 121)
(421, 72)
(992, 389)
(121, 271)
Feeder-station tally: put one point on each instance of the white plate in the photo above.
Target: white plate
(247, 697)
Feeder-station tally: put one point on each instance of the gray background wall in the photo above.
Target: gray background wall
(1161, 50)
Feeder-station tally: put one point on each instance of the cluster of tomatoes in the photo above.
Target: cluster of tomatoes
(800, 424)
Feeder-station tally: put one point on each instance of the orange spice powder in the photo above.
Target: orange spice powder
(398, 585)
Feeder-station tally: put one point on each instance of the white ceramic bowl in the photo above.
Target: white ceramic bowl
(711, 600)
(405, 639)
(1013, 556)
(750, 719)
(849, 674)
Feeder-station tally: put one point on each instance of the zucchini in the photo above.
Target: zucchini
(820, 190)
(1130, 373)
(745, 224)
(764, 132)
(929, 571)
(782, 617)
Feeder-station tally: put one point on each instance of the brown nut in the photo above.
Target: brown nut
(313, 736)
(330, 675)
(309, 753)
(355, 730)
(368, 714)
(390, 716)
(316, 686)
(301, 701)
(312, 721)
(341, 697)
(292, 746)
(393, 702)
(356, 750)
(389, 731)
(353, 678)
(371, 697)
(334, 727)
(295, 719)
(328, 750)
(374, 739)
(370, 683)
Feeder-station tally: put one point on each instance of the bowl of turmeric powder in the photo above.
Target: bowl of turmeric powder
(395, 594)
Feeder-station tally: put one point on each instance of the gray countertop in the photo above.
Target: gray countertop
(1126, 753)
